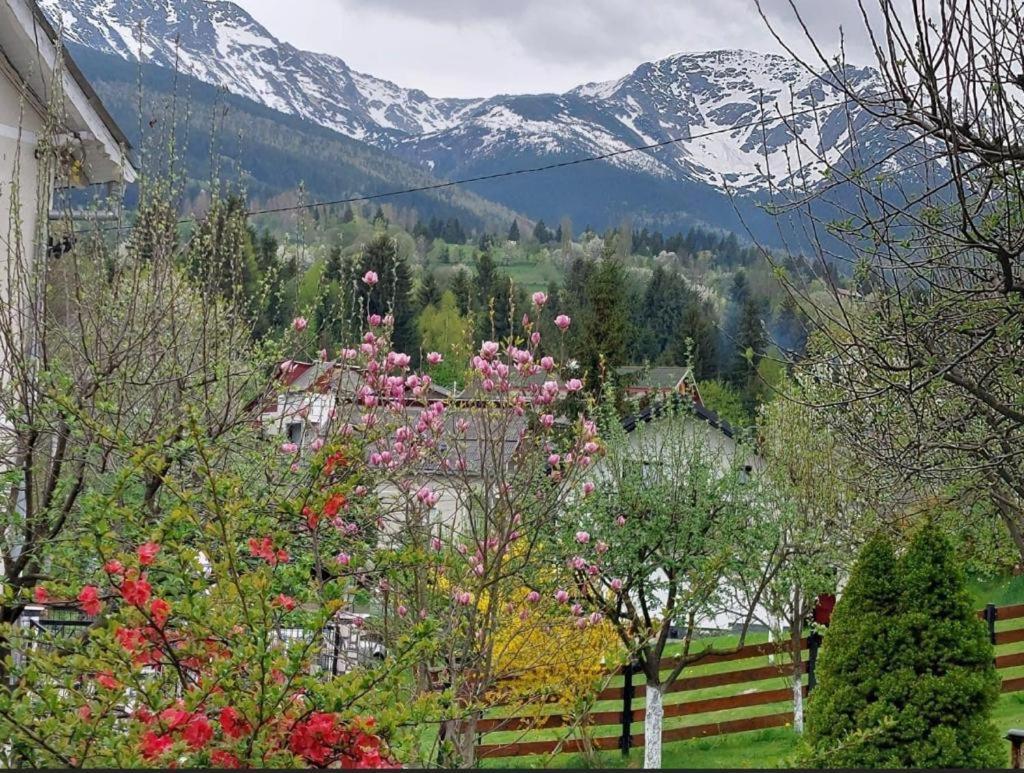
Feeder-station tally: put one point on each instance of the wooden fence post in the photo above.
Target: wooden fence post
(626, 739)
(813, 643)
(1016, 737)
(991, 613)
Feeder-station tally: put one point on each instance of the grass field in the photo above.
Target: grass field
(768, 748)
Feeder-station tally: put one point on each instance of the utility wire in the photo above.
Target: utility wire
(527, 170)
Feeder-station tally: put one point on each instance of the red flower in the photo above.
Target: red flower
(90, 599)
(198, 732)
(136, 591)
(106, 679)
(286, 602)
(113, 566)
(264, 548)
(154, 744)
(174, 718)
(334, 504)
(40, 595)
(232, 724)
(222, 759)
(147, 553)
(129, 638)
(315, 738)
(312, 517)
(159, 610)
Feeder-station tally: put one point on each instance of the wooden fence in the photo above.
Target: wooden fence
(751, 693)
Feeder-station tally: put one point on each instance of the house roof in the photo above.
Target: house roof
(32, 50)
(654, 410)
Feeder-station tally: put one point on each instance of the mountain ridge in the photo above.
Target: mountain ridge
(717, 111)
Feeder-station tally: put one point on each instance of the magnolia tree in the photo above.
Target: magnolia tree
(669, 515)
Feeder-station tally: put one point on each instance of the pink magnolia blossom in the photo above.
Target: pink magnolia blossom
(577, 609)
(620, 521)
(547, 421)
(374, 320)
(554, 459)
(435, 544)
(601, 547)
(588, 488)
(533, 597)
(434, 358)
(488, 349)
(582, 537)
(299, 324)
(539, 299)
(343, 559)
(561, 596)
(289, 448)
(616, 584)
(317, 444)
(402, 610)
(574, 385)
(370, 278)
(534, 338)
(562, 322)
(595, 618)
(548, 363)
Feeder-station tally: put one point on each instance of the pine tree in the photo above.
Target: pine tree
(513, 231)
(463, 291)
(428, 292)
(604, 326)
(392, 293)
(906, 678)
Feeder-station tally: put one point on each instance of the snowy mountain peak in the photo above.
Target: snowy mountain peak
(722, 105)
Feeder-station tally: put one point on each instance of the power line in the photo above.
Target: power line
(527, 170)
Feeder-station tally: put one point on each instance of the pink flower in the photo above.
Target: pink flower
(435, 544)
(574, 385)
(402, 611)
(620, 521)
(616, 584)
(317, 444)
(463, 598)
(535, 338)
(343, 559)
(289, 448)
(561, 596)
(577, 609)
(539, 299)
(588, 488)
(562, 322)
(488, 349)
(548, 363)
(547, 421)
(323, 355)
(582, 537)
(370, 278)
(601, 547)
(374, 320)
(299, 324)
(533, 597)
(428, 497)
(554, 459)
(434, 358)
(595, 618)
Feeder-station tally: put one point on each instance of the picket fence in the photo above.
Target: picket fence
(754, 683)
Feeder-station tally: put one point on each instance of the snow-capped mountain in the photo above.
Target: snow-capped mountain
(219, 43)
(725, 105)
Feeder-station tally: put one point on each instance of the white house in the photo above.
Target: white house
(54, 132)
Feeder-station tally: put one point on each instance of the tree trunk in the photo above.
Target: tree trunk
(652, 727)
(798, 701)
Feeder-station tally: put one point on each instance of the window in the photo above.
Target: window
(295, 432)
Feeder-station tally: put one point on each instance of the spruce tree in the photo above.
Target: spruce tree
(463, 291)
(513, 231)
(906, 677)
(393, 292)
(848, 716)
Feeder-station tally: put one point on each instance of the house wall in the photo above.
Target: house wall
(20, 125)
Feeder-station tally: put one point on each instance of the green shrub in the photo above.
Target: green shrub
(906, 676)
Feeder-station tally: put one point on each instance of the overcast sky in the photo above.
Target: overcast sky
(474, 48)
